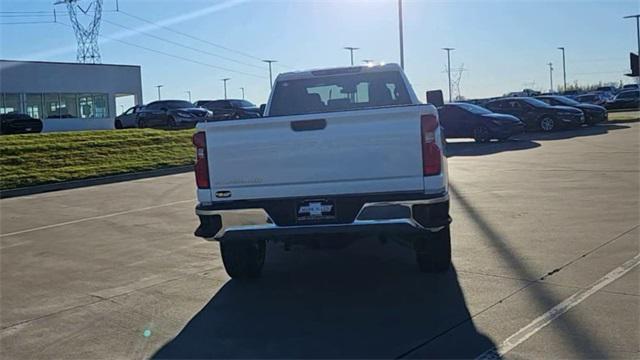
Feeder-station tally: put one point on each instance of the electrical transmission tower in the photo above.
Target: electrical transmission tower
(86, 34)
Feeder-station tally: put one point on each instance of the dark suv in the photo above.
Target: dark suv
(536, 114)
(230, 109)
(629, 99)
(171, 114)
(593, 113)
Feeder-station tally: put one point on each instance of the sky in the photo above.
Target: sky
(503, 45)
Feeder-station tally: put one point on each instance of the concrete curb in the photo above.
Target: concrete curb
(73, 184)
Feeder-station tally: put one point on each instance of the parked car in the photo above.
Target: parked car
(339, 151)
(232, 109)
(462, 120)
(607, 91)
(538, 115)
(593, 114)
(172, 114)
(591, 98)
(630, 87)
(17, 123)
(626, 100)
(129, 118)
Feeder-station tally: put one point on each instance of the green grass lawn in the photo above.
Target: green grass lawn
(624, 116)
(33, 159)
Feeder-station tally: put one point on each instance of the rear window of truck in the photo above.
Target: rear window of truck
(338, 93)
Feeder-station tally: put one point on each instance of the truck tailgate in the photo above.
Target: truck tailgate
(351, 152)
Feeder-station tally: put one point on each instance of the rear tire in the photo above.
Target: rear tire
(547, 124)
(433, 251)
(243, 259)
(118, 125)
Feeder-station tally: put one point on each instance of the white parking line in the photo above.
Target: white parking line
(95, 218)
(545, 319)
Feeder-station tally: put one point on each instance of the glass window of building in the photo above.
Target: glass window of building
(10, 103)
(33, 106)
(85, 102)
(101, 105)
(51, 106)
(68, 106)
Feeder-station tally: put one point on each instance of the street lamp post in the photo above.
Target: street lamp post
(400, 33)
(189, 92)
(242, 88)
(159, 87)
(550, 77)
(448, 50)
(224, 81)
(564, 71)
(351, 50)
(270, 74)
(637, 17)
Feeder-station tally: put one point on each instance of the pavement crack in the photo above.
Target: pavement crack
(557, 270)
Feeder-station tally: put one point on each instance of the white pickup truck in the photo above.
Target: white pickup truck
(339, 153)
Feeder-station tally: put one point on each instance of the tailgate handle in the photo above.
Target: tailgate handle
(308, 125)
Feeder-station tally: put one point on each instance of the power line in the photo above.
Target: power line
(27, 22)
(194, 37)
(180, 45)
(169, 54)
(191, 36)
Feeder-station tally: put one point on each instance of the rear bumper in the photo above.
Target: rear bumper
(373, 215)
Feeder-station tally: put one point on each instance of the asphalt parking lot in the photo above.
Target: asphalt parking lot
(113, 271)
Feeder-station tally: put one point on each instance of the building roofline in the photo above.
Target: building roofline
(65, 63)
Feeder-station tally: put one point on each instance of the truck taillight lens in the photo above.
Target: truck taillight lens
(431, 153)
(202, 166)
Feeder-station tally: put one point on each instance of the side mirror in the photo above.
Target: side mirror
(435, 98)
(262, 107)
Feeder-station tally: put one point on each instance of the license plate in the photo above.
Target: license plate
(315, 210)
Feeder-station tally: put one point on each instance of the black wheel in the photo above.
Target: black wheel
(547, 123)
(481, 134)
(118, 124)
(433, 251)
(243, 259)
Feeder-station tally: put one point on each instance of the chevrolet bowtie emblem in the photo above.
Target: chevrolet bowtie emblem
(315, 209)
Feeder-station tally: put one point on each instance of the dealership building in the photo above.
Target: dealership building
(68, 96)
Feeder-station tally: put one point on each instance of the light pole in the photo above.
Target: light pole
(159, 87)
(189, 92)
(351, 50)
(270, 74)
(448, 50)
(224, 81)
(242, 88)
(637, 17)
(564, 71)
(400, 32)
(550, 77)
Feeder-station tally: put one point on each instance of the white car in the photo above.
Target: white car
(341, 152)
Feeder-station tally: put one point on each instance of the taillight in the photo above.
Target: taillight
(431, 153)
(202, 166)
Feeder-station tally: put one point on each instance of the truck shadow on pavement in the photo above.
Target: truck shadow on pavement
(494, 147)
(366, 301)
